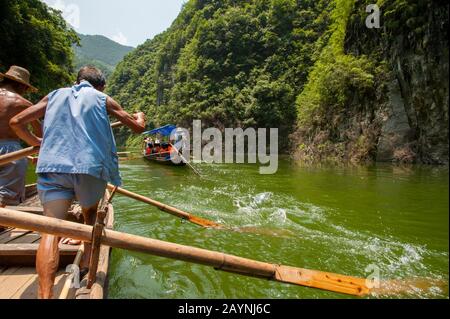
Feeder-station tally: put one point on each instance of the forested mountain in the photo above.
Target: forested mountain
(36, 37)
(230, 63)
(337, 90)
(99, 51)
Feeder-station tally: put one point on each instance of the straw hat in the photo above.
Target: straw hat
(20, 75)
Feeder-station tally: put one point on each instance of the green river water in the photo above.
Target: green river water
(332, 219)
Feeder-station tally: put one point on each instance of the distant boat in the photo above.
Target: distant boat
(162, 152)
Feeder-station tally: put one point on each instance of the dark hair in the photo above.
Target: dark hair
(93, 75)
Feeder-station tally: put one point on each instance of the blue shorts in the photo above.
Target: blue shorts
(86, 189)
(12, 176)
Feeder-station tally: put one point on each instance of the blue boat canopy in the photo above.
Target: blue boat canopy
(164, 131)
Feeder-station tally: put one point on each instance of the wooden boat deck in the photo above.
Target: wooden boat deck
(18, 248)
(21, 282)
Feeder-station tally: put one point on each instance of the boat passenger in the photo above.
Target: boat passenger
(13, 84)
(150, 143)
(157, 147)
(73, 166)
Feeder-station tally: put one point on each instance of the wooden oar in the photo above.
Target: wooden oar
(15, 156)
(116, 124)
(186, 161)
(168, 209)
(220, 261)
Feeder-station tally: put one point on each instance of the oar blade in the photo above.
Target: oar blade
(203, 222)
(322, 280)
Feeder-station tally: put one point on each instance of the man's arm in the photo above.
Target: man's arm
(37, 128)
(24, 104)
(19, 123)
(135, 123)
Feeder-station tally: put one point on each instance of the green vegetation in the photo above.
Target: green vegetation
(335, 89)
(336, 78)
(99, 51)
(335, 74)
(229, 63)
(37, 38)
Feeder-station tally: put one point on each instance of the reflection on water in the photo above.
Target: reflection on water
(332, 219)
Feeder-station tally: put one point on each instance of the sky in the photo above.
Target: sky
(129, 22)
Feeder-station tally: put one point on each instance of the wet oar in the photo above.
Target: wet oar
(186, 161)
(15, 156)
(168, 209)
(220, 261)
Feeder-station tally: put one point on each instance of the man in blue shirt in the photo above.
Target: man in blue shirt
(78, 157)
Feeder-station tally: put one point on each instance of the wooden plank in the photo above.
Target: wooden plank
(13, 282)
(4, 231)
(31, 250)
(28, 289)
(12, 235)
(27, 239)
(25, 254)
(8, 273)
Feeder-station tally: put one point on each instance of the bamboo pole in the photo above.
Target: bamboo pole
(14, 156)
(220, 261)
(168, 209)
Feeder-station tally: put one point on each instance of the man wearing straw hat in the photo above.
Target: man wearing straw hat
(13, 84)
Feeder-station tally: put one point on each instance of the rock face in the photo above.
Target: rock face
(396, 136)
(416, 99)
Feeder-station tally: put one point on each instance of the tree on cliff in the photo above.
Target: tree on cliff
(36, 37)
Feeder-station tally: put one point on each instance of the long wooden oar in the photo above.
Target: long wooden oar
(168, 209)
(186, 161)
(15, 156)
(220, 261)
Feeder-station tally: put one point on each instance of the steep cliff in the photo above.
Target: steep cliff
(400, 113)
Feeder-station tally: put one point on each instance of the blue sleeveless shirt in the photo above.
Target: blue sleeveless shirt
(78, 138)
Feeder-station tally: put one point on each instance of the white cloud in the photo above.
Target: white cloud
(70, 12)
(120, 38)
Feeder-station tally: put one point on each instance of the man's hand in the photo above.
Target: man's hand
(139, 115)
(140, 118)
